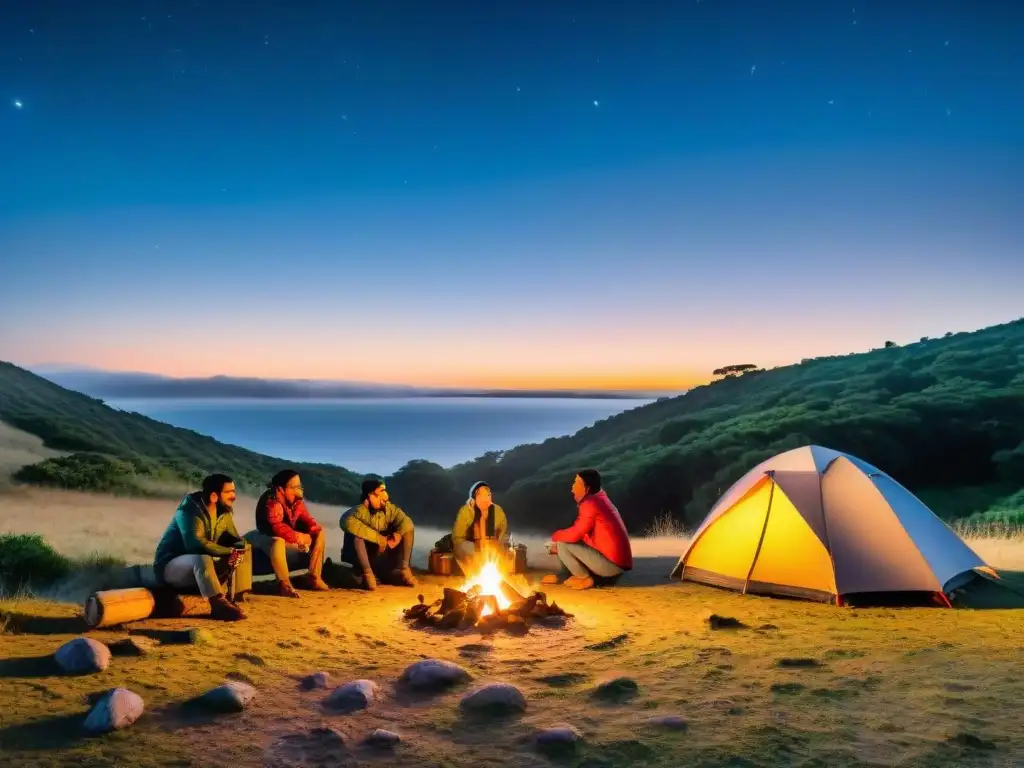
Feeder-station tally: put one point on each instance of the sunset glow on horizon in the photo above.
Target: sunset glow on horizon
(564, 207)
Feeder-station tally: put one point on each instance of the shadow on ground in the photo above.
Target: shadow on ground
(45, 734)
(26, 624)
(29, 666)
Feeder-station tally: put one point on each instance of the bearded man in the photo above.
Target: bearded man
(201, 548)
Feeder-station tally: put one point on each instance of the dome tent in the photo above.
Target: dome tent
(823, 525)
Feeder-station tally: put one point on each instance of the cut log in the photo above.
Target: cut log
(511, 593)
(118, 606)
(452, 600)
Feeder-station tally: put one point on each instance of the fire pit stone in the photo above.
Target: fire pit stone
(357, 694)
(433, 674)
(495, 699)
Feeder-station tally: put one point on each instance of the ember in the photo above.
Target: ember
(487, 602)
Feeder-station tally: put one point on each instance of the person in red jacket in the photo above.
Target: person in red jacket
(288, 534)
(597, 545)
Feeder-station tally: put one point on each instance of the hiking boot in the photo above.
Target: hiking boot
(550, 578)
(584, 583)
(222, 610)
(284, 589)
(403, 577)
(315, 583)
(369, 581)
(241, 597)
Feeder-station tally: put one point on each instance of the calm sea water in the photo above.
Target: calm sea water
(383, 434)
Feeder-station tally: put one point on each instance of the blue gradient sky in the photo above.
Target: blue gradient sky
(427, 192)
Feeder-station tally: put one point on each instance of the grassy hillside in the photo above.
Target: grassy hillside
(110, 450)
(945, 417)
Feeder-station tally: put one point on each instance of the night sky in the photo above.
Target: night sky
(504, 193)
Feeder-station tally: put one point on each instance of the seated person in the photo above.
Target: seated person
(597, 546)
(288, 534)
(201, 548)
(479, 522)
(378, 539)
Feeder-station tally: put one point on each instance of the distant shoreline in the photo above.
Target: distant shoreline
(532, 395)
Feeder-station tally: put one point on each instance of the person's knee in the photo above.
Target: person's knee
(277, 546)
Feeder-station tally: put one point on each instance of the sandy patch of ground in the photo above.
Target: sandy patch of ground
(19, 448)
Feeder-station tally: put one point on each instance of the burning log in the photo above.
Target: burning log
(472, 610)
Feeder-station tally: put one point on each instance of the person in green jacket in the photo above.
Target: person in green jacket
(378, 539)
(479, 522)
(201, 547)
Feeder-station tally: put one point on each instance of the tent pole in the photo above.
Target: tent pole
(764, 529)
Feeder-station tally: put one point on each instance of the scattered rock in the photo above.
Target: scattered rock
(192, 636)
(724, 622)
(230, 697)
(971, 741)
(382, 738)
(558, 736)
(607, 645)
(433, 675)
(798, 663)
(958, 687)
(135, 645)
(672, 722)
(617, 690)
(358, 694)
(564, 680)
(82, 656)
(787, 688)
(117, 708)
(316, 681)
(494, 699)
(252, 658)
(475, 649)
(323, 631)
(766, 628)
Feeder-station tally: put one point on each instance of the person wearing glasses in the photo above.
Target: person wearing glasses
(288, 535)
(378, 539)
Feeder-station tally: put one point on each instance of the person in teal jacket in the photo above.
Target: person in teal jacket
(201, 548)
(378, 539)
(478, 522)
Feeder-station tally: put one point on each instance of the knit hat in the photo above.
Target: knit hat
(476, 487)
(370, 485)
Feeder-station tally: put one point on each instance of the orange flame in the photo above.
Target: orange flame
(488, 578)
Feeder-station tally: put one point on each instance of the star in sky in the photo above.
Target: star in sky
(18, 103)
(753, 68)
(597, 103)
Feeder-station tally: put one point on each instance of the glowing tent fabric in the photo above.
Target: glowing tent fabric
(819, 524)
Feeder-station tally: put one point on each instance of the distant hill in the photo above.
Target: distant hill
(112, 450)
(113, 385)
(945, 417)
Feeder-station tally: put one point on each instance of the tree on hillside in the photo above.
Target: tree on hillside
(729, 371)
(427, 492)
(889, 344)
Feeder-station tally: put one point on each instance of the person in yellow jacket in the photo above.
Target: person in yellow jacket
(479, 522)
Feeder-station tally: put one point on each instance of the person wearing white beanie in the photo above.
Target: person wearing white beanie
(479, 521)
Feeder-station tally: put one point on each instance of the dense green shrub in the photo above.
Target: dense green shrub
(86, 472)
(27, 560)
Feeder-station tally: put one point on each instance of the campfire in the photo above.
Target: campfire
(488, 601)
